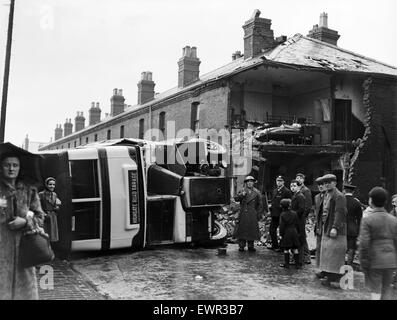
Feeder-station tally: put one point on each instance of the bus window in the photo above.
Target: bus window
(86, 199)
(84, 179)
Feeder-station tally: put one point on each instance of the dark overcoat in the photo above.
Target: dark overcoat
(318, 211)
(277, 196)
(50, 206)
(354, 215)
(298, 205)
(289, 230)
(250, 213)
(308, 199)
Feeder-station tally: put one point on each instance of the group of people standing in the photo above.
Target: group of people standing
(340, 229)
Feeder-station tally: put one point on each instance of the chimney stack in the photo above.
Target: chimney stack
(236, 55)
(117, 102)
(323, 33)
(189, 67)
(257, 35)
(58, 132)
(94, 114)
(145, 88)
(67, 127)
(79, 121)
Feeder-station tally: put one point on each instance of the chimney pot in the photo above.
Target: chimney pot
(92, 104)
(120, 92)
(323, 33)
(97, 104)
(115, 92)
(324, 20)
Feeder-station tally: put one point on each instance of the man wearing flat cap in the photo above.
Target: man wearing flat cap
(247, 230)
(333, 239)
(354, 215)
(378, 246)
(279, 193)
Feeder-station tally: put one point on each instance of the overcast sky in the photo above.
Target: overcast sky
(67, 53)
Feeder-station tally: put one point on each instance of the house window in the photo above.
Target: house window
(69, 145)
(122, 132)
(80, 141)
(141, 128)
(109, 135)
(96, 137)
(75, 143)
(86, 140)
(195, 117)
(162, 123)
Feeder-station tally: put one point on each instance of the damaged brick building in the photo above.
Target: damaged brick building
(314, 108)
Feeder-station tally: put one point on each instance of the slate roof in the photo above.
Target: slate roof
(298, 51)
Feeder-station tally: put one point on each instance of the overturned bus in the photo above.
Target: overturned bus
(119, 194)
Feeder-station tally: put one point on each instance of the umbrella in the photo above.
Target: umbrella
(30, 162)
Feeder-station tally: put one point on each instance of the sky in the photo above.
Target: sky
(69, 53)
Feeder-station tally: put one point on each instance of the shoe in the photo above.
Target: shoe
(251, 249)
(241, 249)
(320, 275)
(308, 262)
(286, 261)
(297, 263)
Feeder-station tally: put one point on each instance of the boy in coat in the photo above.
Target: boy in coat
(289, 232)
(279, 193)
(247, 229)
(378, 246)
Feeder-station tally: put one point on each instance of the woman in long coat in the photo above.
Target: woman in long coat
(20, 211)
(50, 205)
(251, 207)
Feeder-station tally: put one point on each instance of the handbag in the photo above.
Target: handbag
(35, 249)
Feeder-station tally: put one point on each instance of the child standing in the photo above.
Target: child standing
(289, 232)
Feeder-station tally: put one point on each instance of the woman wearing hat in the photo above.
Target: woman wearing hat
(251, 206)
(50, 204)
(20, 212)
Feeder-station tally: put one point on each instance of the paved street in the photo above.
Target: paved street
(68, 284)
(186, 273)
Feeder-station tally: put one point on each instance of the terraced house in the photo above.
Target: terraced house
(314, 108)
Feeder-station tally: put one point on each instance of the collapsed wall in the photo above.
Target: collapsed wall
(374, 160)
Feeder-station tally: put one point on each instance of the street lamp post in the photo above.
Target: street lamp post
(6, 72)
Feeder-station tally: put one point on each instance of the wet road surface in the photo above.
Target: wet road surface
(200, 273)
